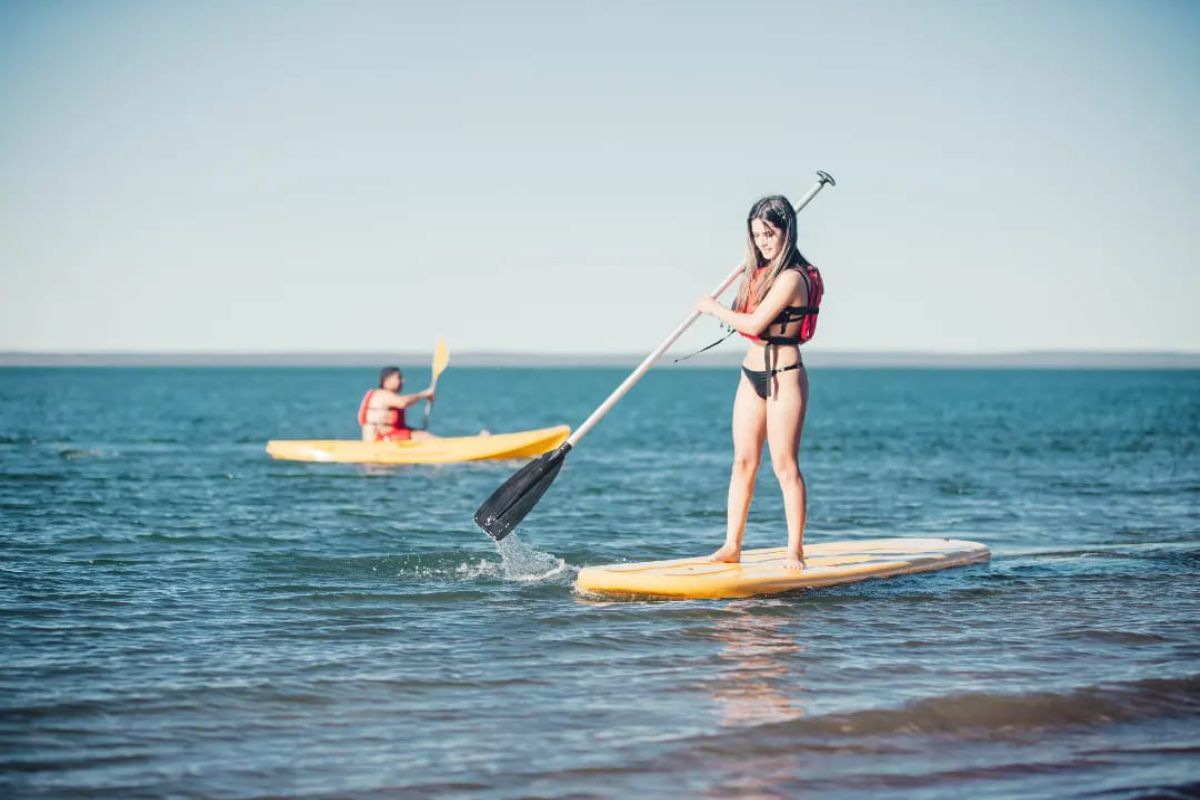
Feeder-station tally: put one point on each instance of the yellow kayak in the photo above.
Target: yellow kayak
(762, 571)
(446, 450)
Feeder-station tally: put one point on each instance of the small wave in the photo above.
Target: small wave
(17, 439)
(32, 477)
(71, 453)
(982, 714)
(1153, 549)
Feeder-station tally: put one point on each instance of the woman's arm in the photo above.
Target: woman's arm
(753, 323)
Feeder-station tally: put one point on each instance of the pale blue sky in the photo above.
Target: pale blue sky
(569, 176)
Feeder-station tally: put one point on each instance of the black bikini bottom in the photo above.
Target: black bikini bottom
(761, 380)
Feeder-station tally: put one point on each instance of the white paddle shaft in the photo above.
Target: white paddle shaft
(657, 353)
(429, 402)
(439, 347)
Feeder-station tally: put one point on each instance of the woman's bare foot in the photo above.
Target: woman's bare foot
(729, 554)
(794, 562)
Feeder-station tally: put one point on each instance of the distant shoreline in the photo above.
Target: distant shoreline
(1048, 359)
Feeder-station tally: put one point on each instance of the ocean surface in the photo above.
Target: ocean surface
(182, 616)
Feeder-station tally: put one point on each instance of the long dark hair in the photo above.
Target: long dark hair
(777, 211)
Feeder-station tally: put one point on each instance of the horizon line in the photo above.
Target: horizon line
(1059, 358)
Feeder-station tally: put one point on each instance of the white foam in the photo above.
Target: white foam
(522, 563)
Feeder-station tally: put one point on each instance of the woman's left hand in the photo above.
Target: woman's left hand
(706, 305)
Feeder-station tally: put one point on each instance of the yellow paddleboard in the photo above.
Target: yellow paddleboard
(762, 571)
(446, 450)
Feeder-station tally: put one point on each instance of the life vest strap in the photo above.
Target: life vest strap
(705, 348)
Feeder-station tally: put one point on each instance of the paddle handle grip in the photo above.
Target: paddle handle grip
(648, 362)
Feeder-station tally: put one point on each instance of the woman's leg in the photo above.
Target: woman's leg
(785, 425)
(749, 429)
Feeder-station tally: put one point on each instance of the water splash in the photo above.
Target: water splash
(520, 562)
(480, 569)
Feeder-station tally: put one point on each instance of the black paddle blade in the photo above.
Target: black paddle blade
(509, 504)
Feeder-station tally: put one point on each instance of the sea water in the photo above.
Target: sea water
(182, 616)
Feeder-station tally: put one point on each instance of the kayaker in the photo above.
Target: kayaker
(381, 413)
(776, 310)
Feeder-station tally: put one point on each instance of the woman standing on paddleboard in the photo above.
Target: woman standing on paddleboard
(776, 310)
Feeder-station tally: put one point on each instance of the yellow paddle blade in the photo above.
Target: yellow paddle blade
(441, 358)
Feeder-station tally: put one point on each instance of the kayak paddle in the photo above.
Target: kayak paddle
(441, 360)
(509, 504)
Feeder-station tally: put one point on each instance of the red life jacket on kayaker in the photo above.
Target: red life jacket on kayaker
(391, 420)
(806, 314)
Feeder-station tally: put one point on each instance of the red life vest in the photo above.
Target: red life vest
(805, 314)
(393, 419)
